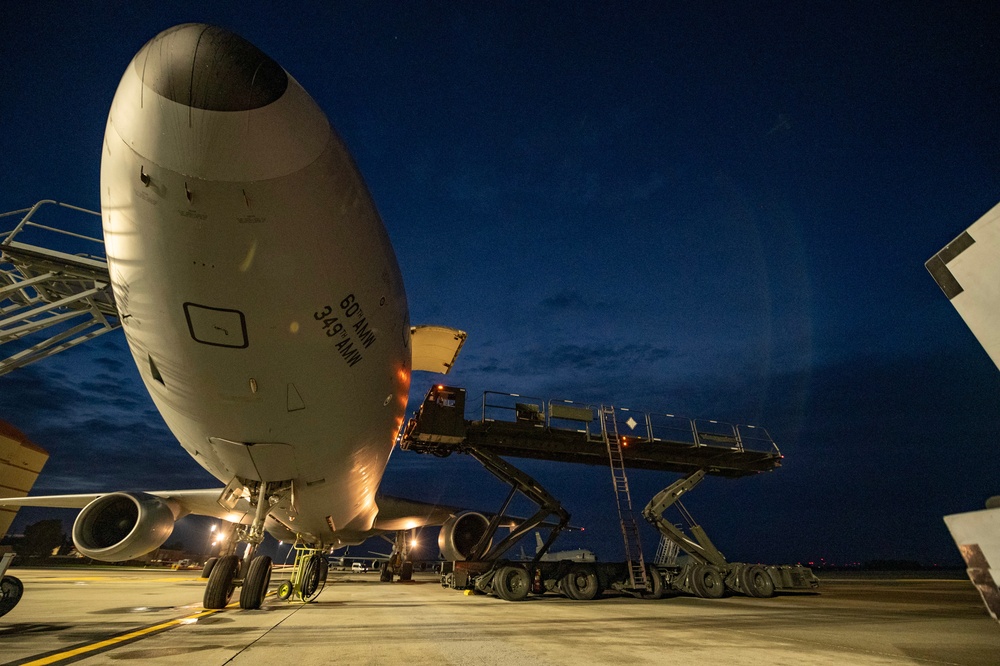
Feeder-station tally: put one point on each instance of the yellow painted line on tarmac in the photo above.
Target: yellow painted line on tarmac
(129, 637)
(117, 640)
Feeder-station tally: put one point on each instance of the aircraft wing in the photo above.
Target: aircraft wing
(968, 273)
(199, 502)
(397, 513)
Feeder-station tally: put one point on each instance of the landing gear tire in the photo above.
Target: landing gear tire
(219, 589)
(207, 570)
(655, 584)
(757, 582)
(385, 573)
(581, 583)
(255, 583)
(406, 571)
(11, 591)
(512, 583)
(707, 583)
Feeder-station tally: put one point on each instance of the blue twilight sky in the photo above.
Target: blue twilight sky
(720, 210)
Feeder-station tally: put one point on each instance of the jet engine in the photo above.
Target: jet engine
(122, 526)
(460, 534)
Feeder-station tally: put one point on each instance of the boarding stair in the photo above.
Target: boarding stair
(52, 297)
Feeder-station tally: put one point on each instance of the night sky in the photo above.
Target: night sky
(715, 211)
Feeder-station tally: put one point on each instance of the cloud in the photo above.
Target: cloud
(567, 357)
(567, 299)
(88, 408)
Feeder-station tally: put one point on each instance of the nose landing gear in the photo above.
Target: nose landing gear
(251, 574)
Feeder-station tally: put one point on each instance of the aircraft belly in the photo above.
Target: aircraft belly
(262, 313)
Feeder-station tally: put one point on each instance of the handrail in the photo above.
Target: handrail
(26, 221)
(540, 402)
(649, 426)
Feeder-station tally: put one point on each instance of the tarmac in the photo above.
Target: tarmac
(118, 616)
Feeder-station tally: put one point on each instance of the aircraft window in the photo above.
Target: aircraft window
(217, 326)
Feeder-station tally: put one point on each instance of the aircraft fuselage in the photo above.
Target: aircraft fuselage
(259, 293)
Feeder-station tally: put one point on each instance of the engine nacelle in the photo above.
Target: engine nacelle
(461, 533)
(122, 526)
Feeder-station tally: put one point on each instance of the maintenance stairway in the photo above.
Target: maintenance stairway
(565, 431)
(52, 297)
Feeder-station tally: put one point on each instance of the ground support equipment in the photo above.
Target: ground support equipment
(707, 573)
(562, 431)
(484, 569)
(11, 589)
(308, 575)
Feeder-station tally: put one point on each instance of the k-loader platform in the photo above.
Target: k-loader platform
(513, 425)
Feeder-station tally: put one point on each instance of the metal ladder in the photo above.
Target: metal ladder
(630, 529)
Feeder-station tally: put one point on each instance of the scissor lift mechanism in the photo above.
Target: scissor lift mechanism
(569, 432)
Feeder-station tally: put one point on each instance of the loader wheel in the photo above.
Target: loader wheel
(706, 581)
(581, 583)
(512, 583)
(757, 582)
(655, 584)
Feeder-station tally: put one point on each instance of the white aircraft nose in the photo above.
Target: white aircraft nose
(207, 67)
(206, 103)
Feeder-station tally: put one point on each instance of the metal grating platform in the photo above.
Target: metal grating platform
(563, 431)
